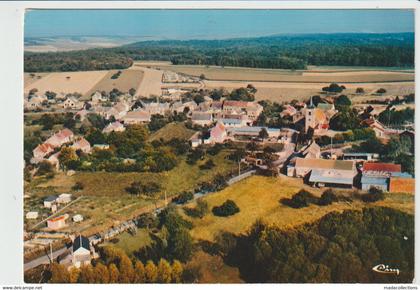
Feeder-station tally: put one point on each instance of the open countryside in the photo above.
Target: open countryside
(265, 159)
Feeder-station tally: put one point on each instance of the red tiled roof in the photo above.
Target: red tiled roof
(377, 166)
(240, 104)
(44, 147)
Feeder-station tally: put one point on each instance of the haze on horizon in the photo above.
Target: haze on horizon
(212, 24)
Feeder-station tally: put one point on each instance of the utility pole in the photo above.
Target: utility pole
(239, 167)
(51, 254)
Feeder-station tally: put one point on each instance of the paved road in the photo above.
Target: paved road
(43, 259)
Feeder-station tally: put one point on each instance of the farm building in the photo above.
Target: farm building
(312, 150)
(218, 133)
(202, 119)
(81, 144)
(114, 127)
(136, 117)
(361, 156)
(376, 174)
(253, 131)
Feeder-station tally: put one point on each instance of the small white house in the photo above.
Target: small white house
(64, 198)
(32, 215)
(50, 200)
(77, 218)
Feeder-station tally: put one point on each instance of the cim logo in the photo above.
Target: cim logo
(385, 269)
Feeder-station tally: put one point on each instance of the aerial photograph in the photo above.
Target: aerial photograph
(218, 146)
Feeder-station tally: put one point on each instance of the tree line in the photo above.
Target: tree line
(284, 52)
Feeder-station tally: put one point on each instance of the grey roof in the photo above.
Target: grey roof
(332, 176)
(231, 121)
(201, 116)
(51, 198)
(81, 241)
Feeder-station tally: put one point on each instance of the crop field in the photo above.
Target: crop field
(127, 80)
(259, 198)
(281, 75)
(66, 82)
(151, 85)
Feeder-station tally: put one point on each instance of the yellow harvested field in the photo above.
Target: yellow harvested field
(151, 85)
(30, 78)
(67, 82)
(282, 92)
(127, 80)
(281, 75)
(259, 197)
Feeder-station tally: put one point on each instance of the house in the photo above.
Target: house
(35, 102)
(253, 131)
(312, 150)
(136, 117)
(402, 184)
(97, 98)
(77, 218)
(218, 133)
(156, 108)
(288, 111)
(60, 138)
(79, 254)
(376, 174)
(202, 118)
(361, 156)
(233, 122)
(196, 140)
(81, 144)
(81, 115)
(101, 146)
(252, 109)
(50, 200)
(324, 171)
(318, 118)
(53, 159)
(57, 223)
(64, 198)
(32, 215)
(72, 103)
(377, 127)
(113, 127)
(41, 151)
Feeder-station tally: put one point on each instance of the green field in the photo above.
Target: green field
(131, 243)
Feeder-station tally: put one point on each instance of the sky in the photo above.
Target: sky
(212, 24)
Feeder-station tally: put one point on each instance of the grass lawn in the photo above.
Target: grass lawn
(258, 198)
(172, 130)
(130, 243)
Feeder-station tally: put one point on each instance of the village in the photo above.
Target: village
(292, 139)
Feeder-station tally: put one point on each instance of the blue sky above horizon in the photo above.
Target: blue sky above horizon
(212, 24)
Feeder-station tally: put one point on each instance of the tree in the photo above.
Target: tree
(59, 274)
(209, 164)
(164, 271)
(101, 273)
(184, 197)
(180, 245)
(263, 134)
(327, 197)
(381, 91)
(228, 208)
(47, 122)
(45, 168)
(333, 88)
(202, 77)
(87, 274)
(342, 100)
(113, 273)
(151, 273)
(360, 91)
(177, 271)
(346, 119)
(74, 275)
(132, 91)
(67, 154)
(139, 272)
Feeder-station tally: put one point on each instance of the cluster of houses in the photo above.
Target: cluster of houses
(352, 170)
(50, 149)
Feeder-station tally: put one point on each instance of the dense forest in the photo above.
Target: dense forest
(339, 248)
(286, 52)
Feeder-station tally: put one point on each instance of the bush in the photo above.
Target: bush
(228, 208)
(183, 197)
(199, 211)
(327, 197)
(209, 164)
(374, 194)
(301, 199)
(78, 186)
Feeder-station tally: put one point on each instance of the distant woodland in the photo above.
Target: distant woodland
(284, 52)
